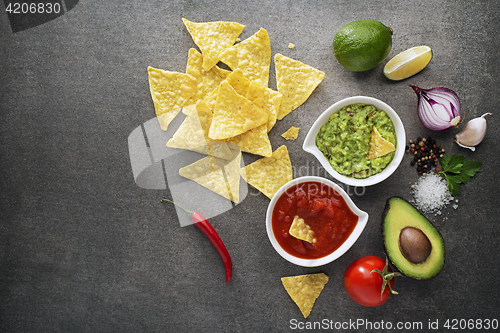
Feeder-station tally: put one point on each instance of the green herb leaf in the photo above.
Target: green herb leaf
(471, 167)
(453, 184)
(452, 164)
(457, 170)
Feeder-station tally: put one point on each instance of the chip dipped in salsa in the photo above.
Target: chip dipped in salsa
(323, 209)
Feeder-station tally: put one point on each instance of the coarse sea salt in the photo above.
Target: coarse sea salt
(431, 194)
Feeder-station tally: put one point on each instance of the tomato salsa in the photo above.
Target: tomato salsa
(323, 209)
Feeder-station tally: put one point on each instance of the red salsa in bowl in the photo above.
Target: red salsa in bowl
(323, 209)
(327, 222)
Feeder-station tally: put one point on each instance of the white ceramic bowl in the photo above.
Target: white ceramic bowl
(310, 144)
(362, 219)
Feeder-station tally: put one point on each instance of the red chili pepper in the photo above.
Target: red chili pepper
(206, 228)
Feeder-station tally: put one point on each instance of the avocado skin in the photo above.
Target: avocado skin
(435, 262)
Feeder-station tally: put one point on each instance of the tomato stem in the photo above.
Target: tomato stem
(386, 277)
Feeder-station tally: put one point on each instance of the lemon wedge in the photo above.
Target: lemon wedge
(408, 63)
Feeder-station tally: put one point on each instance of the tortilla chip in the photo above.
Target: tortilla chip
(255, 141)
(202, 172)
(252, 56)
(296, 82)
(268, 174)
(378, 146)
(192, 134)
(265, 98)
(239, 82)
(301, 230)
(291, 134)
(305, 289)
(212, 38)
(234, 114)
(170, 92)
(166, 118)
(206, 81)
(232, 175)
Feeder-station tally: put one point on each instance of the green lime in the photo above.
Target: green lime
(362, 45)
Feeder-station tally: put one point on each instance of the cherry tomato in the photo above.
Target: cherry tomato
(364, 285)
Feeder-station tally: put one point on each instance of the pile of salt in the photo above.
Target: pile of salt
(431, 194)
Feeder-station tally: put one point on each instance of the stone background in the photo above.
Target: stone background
(84, 249)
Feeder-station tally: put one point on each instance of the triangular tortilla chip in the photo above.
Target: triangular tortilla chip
(291, 134)
(170, 92)
(206, 81)
(252, 56)
(296, 81)
(192, 134)
(378, 145)
(255, 141)
(239, 82)
(212, 38)
(268, 174)
(232, 175)
(301, 230)
(265, 98)
(305, 289)
(234, 114)
(202, 172)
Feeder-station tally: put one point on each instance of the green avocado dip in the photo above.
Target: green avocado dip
(345, 140)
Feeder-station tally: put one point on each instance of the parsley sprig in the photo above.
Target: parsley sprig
(457, 170)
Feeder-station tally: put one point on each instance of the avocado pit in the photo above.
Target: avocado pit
(414, 245)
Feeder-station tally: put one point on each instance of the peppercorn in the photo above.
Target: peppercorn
(425, 154)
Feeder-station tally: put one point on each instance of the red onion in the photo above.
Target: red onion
(438, 108)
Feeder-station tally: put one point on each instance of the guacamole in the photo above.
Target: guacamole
(345, 140)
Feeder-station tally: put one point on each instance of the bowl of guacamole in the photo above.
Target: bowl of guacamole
(358, 140)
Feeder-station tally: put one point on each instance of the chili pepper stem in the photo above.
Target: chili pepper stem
(189, 212)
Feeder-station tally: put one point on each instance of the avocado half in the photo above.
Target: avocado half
(400, 216)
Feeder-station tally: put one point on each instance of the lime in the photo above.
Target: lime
(408, 63)
(362, 45)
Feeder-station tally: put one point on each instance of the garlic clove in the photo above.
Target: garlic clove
(473, 133)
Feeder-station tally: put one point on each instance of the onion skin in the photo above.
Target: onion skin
(473, 133)
(438, 108)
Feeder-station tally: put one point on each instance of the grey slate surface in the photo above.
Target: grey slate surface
(84, 249)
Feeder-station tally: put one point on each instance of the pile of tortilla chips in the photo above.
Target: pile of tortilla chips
(228, 111)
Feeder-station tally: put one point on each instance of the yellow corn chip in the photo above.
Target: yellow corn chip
(239, 82)
(255, 93)
(170, 92)
(234, 114)
(378, 146)
(291, 134)
(268, 174)
(267, 99)
(301, 230)
(192, 134)
(255, 141)
(296, 81)
(305, 289)
(232, 175)
(202, 172)
(206, 81)
(210, 99)
(212, 38)
(252, 56)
